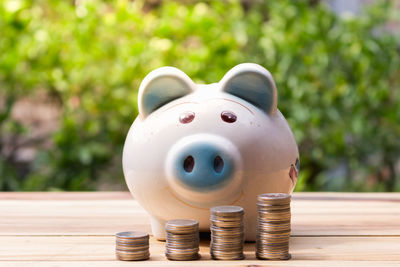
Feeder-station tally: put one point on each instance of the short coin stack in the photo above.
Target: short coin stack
(273, 226)
(227, 233)
(182, 240)
(132, 246)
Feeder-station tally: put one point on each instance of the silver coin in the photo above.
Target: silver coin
(234, 217)
(132, 246)
(127, 248)
(273, 197)
(182, 224)
(183, 258)
(273, 207)
(269, 228)
(132, 256)
(183, 237)
(132, 243)
(285, 256)
(273, 230)
(227, 210)
(227, 233)
(285, 212)
(227, 256)
(132, 235)
(182, 240)
(141, 258)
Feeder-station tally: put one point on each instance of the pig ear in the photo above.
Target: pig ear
(252, 83)
(160, 87)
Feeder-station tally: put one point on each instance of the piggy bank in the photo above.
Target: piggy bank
(196, 146)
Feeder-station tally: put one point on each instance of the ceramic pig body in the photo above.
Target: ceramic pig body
(193, 146)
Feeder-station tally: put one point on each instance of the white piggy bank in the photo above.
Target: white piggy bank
(195, 146)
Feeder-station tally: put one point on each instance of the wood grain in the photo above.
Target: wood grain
(244, 263)
(77, 229)
(87, 214)
(101, 248)
(64, 195)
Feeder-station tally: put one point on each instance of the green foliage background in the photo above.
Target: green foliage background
(338, 80)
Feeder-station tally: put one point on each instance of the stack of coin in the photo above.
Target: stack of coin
(132, 246)
(182, 240)
(227, 233)
(273, 235)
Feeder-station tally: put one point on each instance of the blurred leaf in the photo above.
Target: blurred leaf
(338, 80)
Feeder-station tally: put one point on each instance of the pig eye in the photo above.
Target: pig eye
(186, 117)
(228, 116)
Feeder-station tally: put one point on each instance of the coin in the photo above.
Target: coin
(132, 235)
(227, 211)
(273, 231)
(274, 198)
(132, 246)
(227, 233)
(182, 242)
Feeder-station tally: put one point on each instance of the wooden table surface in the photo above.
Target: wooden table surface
(77, 229)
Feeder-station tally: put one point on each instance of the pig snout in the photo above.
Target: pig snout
(204, 164)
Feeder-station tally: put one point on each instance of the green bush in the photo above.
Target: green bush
(338, 81)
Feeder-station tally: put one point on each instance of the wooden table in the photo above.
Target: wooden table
(77, 229)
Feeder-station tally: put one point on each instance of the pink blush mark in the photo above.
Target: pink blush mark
(293, 174)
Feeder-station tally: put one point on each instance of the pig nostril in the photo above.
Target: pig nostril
(188, 164)
(218, 164)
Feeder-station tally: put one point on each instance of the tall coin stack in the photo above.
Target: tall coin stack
(182, 240)
(132, 246)
(227, 233)
(273, 235)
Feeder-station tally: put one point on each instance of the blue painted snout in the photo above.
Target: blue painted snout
(202, 165)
